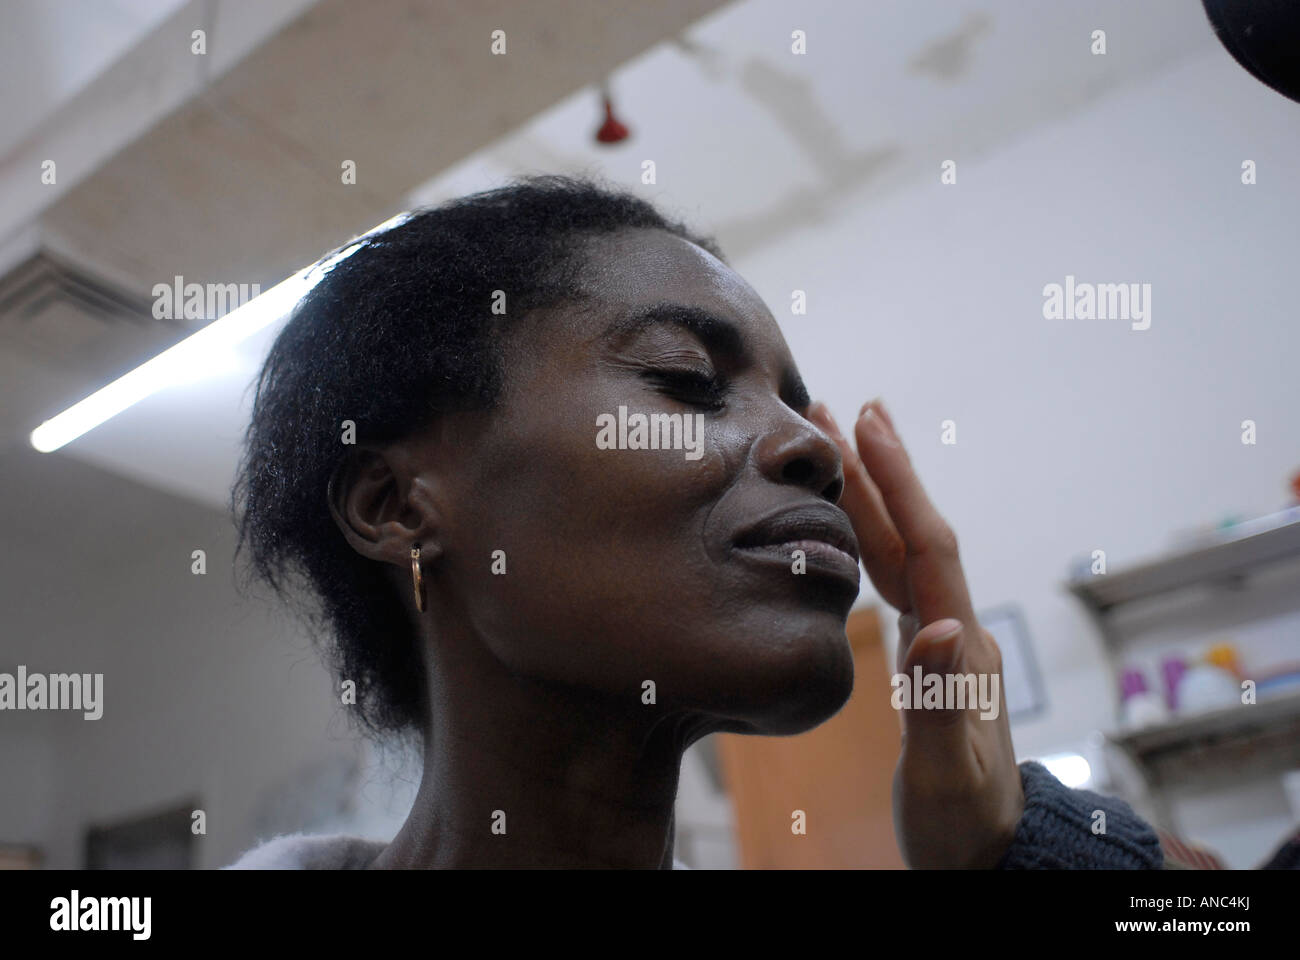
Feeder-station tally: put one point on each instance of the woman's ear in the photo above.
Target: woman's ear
(382, 506)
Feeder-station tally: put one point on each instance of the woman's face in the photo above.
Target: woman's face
(676, 566)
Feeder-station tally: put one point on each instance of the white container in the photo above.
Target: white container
(1144, 709)
(1205, 687)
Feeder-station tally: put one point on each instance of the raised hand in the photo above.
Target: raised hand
(957, 789)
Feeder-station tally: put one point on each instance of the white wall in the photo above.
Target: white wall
(207, 694)
(1084, 434)
(27, 802)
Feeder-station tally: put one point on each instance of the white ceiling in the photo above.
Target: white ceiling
(750, 142)
(752, 139)
(49, 52)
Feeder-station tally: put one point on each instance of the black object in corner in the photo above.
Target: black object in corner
(1264, 37)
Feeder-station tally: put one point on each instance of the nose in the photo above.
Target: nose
(797, 452)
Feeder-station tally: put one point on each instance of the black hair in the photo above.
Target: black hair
(397, 332)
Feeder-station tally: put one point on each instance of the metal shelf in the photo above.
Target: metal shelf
(1222, 747)
(1240, 550)
(1217, 746)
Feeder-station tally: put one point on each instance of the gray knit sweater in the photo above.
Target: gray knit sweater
(1055, 832)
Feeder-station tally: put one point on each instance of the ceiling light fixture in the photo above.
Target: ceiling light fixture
(612, 130)
(205, 353)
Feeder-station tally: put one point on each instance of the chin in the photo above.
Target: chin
(806, 680)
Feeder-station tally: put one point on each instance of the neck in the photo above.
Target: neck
(519, 773)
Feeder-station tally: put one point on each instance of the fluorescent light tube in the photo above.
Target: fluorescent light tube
(202, 354)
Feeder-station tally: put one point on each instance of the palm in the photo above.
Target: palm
(957, 791)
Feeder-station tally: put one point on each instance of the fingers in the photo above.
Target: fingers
(879, 406)
(933, 569)
(936, 648)
(878, 541)
(908, 627)
(933, 731)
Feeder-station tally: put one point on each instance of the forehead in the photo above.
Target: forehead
(643, 264)
(632, 270)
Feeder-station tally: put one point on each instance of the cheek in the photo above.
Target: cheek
(612, 579)
(605, 555)
(577, 477)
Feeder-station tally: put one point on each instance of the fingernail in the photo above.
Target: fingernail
(825, 414)
(951, 629)
(946, 629)
(876, 427)
(882, 411)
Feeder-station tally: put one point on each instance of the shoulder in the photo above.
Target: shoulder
(300, 851)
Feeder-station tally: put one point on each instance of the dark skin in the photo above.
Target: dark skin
(626, 566)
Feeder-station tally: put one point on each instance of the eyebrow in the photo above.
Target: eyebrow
(717, 333)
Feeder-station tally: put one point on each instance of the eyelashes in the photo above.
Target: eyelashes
(695, 387)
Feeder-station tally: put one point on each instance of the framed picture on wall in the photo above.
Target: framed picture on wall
(1021, 681)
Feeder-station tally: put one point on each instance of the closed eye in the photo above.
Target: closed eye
(695, 387)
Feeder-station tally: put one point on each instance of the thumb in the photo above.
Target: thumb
(930, 722)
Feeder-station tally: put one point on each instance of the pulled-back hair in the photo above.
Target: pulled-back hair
(395, 333)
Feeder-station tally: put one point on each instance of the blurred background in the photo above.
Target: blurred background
(1125, 499)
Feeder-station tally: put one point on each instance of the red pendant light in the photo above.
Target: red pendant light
(612, 130)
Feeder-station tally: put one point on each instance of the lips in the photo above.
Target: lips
(816, 524)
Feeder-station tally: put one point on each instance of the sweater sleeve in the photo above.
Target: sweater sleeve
(1056, 830)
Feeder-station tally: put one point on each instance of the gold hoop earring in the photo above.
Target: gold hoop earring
(417, 575)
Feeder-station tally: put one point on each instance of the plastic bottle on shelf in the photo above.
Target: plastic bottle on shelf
(1206, 686)
(1224, 656)
(1142, 706)
(1172, 669)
